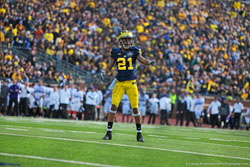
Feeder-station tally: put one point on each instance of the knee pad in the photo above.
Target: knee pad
(136, 115)
(112, 111)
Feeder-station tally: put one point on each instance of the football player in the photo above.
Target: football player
(143, 99)
(125, 60)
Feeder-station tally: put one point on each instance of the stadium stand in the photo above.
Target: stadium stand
(200, 45)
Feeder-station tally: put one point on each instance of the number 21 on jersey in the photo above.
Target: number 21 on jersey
(122, 63)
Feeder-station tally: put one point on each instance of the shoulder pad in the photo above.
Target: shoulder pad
(136, 49)
(115, 50)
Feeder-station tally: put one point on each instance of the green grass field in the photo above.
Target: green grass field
(33, 142)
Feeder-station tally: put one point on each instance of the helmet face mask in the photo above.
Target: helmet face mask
(126, 43)
(126, 39)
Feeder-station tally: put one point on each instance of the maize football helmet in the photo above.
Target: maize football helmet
(126, 39)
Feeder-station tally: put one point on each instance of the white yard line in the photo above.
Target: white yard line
(205, 143)
(187, 130)
(16, 129)
(56, 160)
(53, 130)
(157, 136)
(83, 132)
(124, 134)
(244, 141)
(86, 132)
(131, 146)
(192, 138)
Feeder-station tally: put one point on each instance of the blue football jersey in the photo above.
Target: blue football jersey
(125, 63)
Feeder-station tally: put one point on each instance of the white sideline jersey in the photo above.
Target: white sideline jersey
(143, 103)
(48, 91)
(77, 100)
(238, 107)
(164, 102)
(247, 116)
(54, 99)
(198, 107)
(108, 101)
(198, 104)
(125, 104)
(214, 107)
(39, 91)
(153, 105)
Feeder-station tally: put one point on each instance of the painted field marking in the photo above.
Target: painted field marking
(16, 129)
(86, 132)
(157, 136)
(244, 141)
(53, 130)
(124, 134)
(192, 138)
(83, 132)
(131, 146)
(205, 143)
(56, 160)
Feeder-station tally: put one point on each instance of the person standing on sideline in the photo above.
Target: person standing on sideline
(3, 97)
(24, 99)
(198, 109)
(77, 103)
(164, 103)
(247, 118)
(107, 104)
(72, 90)
(237, 110)
(143, 100)
(54, 103)
(14, 90)
(191, 113)
(125, 60)
(181, 110)
(213, 110)
(39, 94)
(188, 112)
(125, 107)
(153, 108)
(64, 96)
(224, 113)
(172, 96)
(99, 104)
(91, 102)
(46, 102)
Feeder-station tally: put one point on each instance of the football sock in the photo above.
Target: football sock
(74, 115)
(110, 125)
(138, 128)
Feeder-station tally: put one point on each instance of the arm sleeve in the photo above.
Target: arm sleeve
(209, 107)
(113, 53)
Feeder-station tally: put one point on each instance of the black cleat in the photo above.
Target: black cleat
(107, 137)
(139, 137)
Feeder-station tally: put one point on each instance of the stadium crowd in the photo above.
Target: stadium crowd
(200, 45)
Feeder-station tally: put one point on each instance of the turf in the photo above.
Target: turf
(79, 143)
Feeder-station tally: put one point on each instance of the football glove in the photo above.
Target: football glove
(103, 73)
(152, 62)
